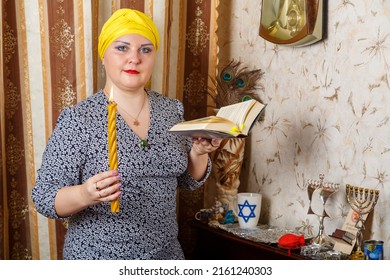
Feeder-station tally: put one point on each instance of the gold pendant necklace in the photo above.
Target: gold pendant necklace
(135, 120)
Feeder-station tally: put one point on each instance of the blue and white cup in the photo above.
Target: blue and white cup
(248, 209)
(373, 250)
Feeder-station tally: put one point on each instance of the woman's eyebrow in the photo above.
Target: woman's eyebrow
(123, 42)
(127, 43)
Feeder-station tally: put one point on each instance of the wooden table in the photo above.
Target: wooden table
(217, 244)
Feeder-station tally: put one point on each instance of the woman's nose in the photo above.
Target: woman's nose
(134, 57)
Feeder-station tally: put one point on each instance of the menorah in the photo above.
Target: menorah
(362, 202)
(326, 190)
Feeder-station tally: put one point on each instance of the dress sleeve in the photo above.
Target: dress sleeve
(186, 181)
(61, 162)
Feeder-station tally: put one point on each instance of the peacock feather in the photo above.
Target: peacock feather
(236, 83)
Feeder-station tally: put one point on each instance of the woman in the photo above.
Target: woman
(74, 181)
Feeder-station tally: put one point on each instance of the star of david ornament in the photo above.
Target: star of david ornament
(243, 212)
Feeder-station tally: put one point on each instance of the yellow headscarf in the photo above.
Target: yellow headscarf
(127, 21)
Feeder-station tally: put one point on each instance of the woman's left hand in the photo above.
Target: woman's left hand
(204, 146)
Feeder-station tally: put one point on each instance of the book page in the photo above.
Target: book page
(237, 112)
(204, 133)
(209, 119)
(243, 114)
(207, 127)
(252, 116)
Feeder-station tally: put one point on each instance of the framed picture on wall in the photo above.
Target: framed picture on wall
(292, 22)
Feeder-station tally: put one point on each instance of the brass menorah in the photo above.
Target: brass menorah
(326, 190)
(362, 202)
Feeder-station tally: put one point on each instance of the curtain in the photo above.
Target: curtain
(200, 58)
(48, 61)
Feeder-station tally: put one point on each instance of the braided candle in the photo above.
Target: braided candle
(112, 150)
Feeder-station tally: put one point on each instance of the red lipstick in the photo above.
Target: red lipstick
(131, 71)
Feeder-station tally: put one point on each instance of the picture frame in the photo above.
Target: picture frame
(293, 22)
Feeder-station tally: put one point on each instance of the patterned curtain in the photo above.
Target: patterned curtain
(48, 61)
(199, 57)
(44, 69)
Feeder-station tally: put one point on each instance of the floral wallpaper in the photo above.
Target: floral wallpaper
(328, 112)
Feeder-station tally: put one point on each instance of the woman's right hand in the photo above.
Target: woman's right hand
(103, 187)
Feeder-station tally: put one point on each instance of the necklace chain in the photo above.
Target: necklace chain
(135, 119)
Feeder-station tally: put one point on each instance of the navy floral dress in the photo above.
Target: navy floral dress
(146, 226)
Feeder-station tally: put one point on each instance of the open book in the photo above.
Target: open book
(231, 121)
